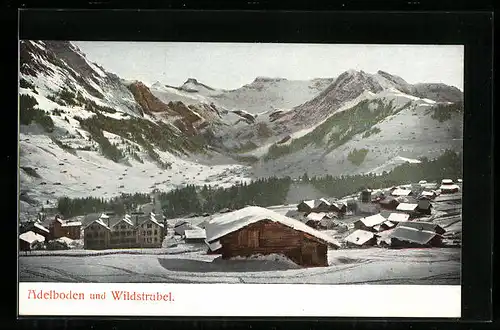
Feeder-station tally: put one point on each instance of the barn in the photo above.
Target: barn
(255, 230)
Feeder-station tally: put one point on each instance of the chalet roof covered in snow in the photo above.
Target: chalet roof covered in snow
(39, 226)
(406, 207)
(373, 220)
(31, 237)
(125, 220)
(195, 233)
(447, 181)
(153, 220)
(449, 187)
(413, 235)
(428, 193)
(423, 226)
(231, 222)
(359, 237)
(398, 217)
(316, 216)
(310, 203)
(104, 216)
(99, 222)
(401, 192)
(72, 224)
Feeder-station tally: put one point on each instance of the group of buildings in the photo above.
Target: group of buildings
(138, 230)
(34, 232)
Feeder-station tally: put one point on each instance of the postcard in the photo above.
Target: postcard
(177, 178)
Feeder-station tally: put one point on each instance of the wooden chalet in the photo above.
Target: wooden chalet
(256, 230)
(28, 240)
(412, 237)
(37, 228)
(368, 223)
(97, 234)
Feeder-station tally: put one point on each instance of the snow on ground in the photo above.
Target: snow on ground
(363, 266)
(87, 173)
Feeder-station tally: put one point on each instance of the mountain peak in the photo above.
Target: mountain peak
(191, 81)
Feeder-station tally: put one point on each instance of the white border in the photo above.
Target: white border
(421, 301)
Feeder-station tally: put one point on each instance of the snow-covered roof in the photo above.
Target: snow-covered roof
(406, 207)
(39, 226)
(401, 192)
(152, 219)
(398, 217)
(316, 216)
(428, 193)
(233, 221)
(389, 224)
(413, 235)
(126, 220)
(447, 181)
(99, 222)
(459, 180)
(64, 239)
(180, 223)
(31, 237)
(104, 216)
(322, 200)
(449, 187)
(309, 203)
(72, 224)
(373, 220)
(195, 234)
(422, 182)
(359, 237)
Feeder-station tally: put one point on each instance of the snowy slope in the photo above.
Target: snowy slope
(405, 135)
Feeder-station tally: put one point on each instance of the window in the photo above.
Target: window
(156, 232)
(149, 232)
(156, 240)
(150, 225)
(123, 227)
(129, 233)
(96, 234)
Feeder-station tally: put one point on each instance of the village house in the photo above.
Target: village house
(448, 187)
(37, 228)
(398, 217)
(61, 228)
(307, 206)
(427, 195)
(413, 237)
(411, 209)
(384, 226)
(424, 206)
(389, 203)
(29, 239)
(313, 220)
(97, 234)
(150, 233)
(365, 196)
(123, 234)
(368, 223)
(401, 192)
(421, 225)
(181, 226)
(196, 235)
(255, 230)
(361, 238)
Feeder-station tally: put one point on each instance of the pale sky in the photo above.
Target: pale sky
(232, 65)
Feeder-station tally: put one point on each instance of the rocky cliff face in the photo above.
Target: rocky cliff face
(148, 102)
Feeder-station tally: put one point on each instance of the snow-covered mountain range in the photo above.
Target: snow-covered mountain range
(86, 132)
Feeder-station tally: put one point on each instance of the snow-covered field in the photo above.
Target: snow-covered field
(364, 266)
(86, 173)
